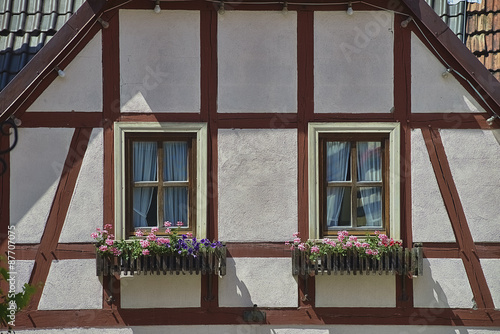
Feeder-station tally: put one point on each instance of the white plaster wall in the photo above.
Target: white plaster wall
(443, 285)
(355, 290)
(257, 184)
(71, 284)
(267, 329)
(491, 269)
(160, 291)
(21, 273)
(257, 61)
(430, 221)
(474, 162)
(430, 91)
(160, 61)
(353, 62)
(267, 282)
(81, 88)
(85, 212)
(35, 168)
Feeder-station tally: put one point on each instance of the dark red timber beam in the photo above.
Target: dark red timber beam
(453, 204)
(306, 316)
(402, 114)
(55, 221)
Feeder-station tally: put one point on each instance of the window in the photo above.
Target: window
(353, 180)
(159, 180)
(160, 175)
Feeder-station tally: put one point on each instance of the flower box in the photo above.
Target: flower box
(204, 263)
(398, 261)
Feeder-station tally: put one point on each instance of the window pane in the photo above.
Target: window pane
(337, 161)
(369, 161)
(175, 205)
(144, 207)
(369, 209)
(338, 207)
(145, 158)
(176, 161)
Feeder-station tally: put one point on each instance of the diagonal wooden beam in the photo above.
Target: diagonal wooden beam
(453, 205)
(58, 211)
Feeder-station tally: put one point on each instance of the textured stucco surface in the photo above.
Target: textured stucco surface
(443, 285)
(82, 291)
(267, 282)
(257, 56)
(35, 168)
(267, 329)
(473, 157)
(257, 184)
(430, 91)
(491, 269)
(430, 221)
(370, 291)
(152, 291)
(160, 61)
(22, 272)
(85, 211)
(350, 55)
(81, 87)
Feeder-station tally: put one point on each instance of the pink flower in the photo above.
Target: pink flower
(326, 241)
(168, 231)
(353, 238)
(108, 226)
(296, 234)
(139, 233)
(332, 243)
(116, 252)
(167, 224)
(376, 232)
(368, 251)
(180, 223)
(292, 247)
(154, 229)
(103, 248)
(145, 252)
(144, 243)
(151, 236)
(94, 235)
(348, 244)
(163, 241)
(357, 244)
(189, 235)
(314, 249)
(287, 243)
(365, 245)
(109, 242)
(111, 236)
(297, 240)
(302, 247)
(374, 252)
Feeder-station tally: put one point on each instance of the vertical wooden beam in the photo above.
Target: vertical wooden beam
(110, 113)
(4, 195)
(451, 198)
(58, 211)
(305, 103)
(402, 114)
(208, 35)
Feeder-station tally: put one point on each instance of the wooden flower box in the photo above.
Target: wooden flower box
(204, 263)
(407, 261)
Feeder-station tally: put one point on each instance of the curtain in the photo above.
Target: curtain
(175, 205)
(144, 169)
(370, 169)
(337, 167)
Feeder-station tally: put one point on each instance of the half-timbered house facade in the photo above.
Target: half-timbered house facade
(250, 121)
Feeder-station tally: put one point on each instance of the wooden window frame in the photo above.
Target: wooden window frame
(197, 131)
(190, 138)
(353, 183)
(389, 130)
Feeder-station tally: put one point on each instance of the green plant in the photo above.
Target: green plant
(12, 302)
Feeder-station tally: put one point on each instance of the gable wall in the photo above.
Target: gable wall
(257, 78)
